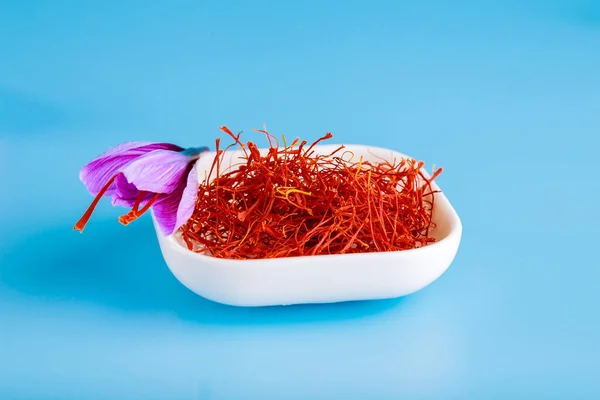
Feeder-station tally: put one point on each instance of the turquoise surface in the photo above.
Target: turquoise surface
(505, 96)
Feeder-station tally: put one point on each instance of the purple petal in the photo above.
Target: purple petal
(160, 171)
(122, 148)
(188, 198)
(95, 174)
(165, 210)
(173, 210)
(125, 194)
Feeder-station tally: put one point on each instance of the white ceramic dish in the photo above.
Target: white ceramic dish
(317, 279)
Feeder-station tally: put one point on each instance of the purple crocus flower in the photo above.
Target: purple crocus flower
(144, 175)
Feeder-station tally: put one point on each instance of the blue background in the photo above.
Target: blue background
(504, 95)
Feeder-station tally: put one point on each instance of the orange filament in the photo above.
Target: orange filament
(88, 213)
(135, 213)
(126, 219)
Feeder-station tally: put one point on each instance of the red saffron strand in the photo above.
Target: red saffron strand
(292, 201)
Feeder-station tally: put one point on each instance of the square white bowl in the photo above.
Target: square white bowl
(316, 279)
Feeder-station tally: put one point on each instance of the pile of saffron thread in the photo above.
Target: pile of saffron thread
(291, 201)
